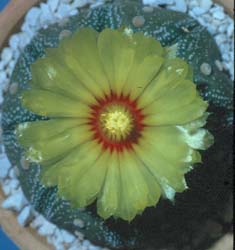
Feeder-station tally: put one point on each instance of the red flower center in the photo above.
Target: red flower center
(117, 122)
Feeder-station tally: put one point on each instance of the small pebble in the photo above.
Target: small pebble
(5, 167)
(148, 9)
(2, 65)
(205, 4)
(75, 246)
(93, 247)
(230, 30)
(79, 235)
(64, 33)
(6, 187)
(67, 237)
(86, 243)
(37, 222)
(57, 237)
(24, 39)
(46, 228)
(206, 69)
(13, 42)
(16, 201)
(198, 10)
(53, 4)
(13, 88)
(158, 2)
(73, 12)
(221, 38)
(223, 28)
(138, 21)
(219, 15)
(13, 185)
(25, 216)
(3, 76)
(32, 16)
(6, 55)
(63, 10)
(47, 16)
(180, 5)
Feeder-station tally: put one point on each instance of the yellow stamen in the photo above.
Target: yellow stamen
(116, 122)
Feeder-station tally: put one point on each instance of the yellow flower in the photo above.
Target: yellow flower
(125, 121)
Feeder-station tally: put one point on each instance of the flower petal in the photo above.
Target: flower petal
(178, 115)
(135, 191)
(117, 57)
(90, 183)
(145, 46)
(81, 56)
(51, 74)
(169, 142)
(154, 190)
(199, 139)
(30, 132)
(49, 148)
(141, 75)
(194, 125)
(168, 175)
(176, 97)
(171, 74)
(66, 171)
(47, 103)
(109, 198)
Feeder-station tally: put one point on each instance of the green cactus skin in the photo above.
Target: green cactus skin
(167, 224)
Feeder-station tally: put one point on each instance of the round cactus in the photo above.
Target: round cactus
(26, 112)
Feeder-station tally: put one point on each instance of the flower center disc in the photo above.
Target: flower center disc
(116, 122)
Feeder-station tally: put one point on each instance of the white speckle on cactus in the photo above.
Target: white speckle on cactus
(79, 223)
